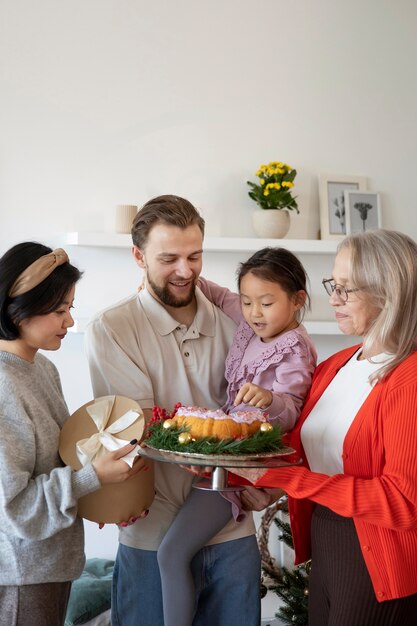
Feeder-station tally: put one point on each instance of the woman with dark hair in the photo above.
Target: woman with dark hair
(353, 503)
(41, 538)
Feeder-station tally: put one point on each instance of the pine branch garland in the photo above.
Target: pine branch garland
(167, 439)
(286, 534)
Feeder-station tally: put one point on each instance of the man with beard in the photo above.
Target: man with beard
(166, 344)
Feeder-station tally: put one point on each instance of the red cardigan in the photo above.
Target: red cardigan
(379, 486)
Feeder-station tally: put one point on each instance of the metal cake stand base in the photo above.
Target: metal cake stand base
(220, 464)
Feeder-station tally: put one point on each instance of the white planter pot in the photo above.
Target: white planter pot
(271, 223)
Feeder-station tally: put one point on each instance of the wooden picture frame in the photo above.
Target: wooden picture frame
(332, 202)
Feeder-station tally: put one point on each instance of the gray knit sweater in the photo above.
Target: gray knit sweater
(41, 538)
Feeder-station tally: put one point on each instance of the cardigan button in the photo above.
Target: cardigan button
(380, 594)
(366, 548)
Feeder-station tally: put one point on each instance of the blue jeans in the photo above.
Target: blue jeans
(226, 575)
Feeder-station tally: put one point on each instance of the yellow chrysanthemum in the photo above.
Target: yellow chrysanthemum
(266, 192)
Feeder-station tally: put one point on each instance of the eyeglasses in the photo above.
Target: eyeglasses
(331, 287)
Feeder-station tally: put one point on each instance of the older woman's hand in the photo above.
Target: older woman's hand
(255, 499)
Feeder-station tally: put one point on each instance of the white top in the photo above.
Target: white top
(324, 430)
(136, 349)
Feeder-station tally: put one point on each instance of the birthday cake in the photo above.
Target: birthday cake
(200, 422)
(193, 429)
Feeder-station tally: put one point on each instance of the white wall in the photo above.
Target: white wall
(113, 101)
(108, 102)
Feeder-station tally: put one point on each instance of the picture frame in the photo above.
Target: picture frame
(332, 202)
(363, 211)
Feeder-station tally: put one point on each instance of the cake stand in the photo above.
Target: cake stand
(219, 463)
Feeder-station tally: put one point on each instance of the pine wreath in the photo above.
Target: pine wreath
(269, 565)
(163, 434)
(291, 586)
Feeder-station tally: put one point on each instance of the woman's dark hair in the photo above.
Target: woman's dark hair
(42, 299)
(277, 265)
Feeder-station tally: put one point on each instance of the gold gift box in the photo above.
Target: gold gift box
(118, 502)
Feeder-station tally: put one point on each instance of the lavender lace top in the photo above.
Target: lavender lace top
(285, 366)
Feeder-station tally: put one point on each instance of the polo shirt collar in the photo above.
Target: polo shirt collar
(163, 323)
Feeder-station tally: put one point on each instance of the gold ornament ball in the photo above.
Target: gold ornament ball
(168, 424)
(265, 427)
(184, 438)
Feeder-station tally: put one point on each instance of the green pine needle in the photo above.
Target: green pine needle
(167, 439)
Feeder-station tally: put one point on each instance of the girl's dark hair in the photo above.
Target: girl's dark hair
(277, 265)
(42, 299)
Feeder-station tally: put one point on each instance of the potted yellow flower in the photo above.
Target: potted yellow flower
(273, 194)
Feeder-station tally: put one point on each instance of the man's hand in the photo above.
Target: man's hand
(254, 396)
(254, 499)
(198, 470)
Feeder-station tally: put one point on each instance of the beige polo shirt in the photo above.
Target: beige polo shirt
(136, 349)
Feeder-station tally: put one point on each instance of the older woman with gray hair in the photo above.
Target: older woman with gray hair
(353, 502)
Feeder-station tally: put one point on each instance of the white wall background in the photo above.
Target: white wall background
(107, 102)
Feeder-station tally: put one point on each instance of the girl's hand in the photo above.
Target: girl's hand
(110, 468)
(254, 396)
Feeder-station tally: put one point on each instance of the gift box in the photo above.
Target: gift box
(102, 425)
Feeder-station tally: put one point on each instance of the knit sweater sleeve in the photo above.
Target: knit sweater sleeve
(35, 503)
(389, 497)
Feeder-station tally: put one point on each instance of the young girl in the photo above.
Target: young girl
(41, 538)
(270, 366)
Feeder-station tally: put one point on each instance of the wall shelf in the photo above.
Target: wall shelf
(211, 244)
(313, 327)
(314, 247)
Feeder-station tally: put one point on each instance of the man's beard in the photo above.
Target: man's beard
(166, 297)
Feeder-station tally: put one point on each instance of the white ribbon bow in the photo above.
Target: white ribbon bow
(96, 445)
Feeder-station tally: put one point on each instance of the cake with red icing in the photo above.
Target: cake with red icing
(202, 422)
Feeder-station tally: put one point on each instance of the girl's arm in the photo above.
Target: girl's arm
(223, 298)
(292, 381)
(285, 384)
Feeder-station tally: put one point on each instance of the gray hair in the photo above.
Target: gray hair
(384, 267)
